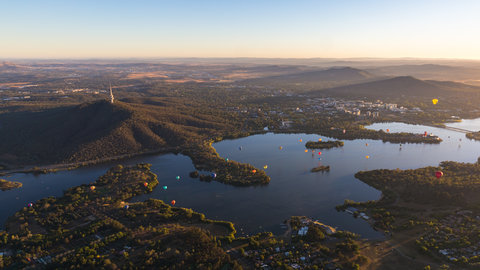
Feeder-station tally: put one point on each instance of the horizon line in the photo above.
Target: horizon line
(240, 57)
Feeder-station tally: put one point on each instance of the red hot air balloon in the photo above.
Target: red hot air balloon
(438, 174)
(319, 153)
(145, 184)
(173, 202)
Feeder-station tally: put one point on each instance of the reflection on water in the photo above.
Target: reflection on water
(293, 189)
(468, 124)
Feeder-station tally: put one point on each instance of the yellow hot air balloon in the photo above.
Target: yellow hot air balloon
(434, 101)
(367, 157)
(265, 167)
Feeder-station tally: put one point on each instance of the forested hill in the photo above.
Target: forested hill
(101, 130)
(316, 79)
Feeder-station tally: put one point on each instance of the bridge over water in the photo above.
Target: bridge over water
(458, 129)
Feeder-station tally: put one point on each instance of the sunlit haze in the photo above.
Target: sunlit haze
(192, 28)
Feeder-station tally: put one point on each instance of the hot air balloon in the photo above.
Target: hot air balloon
(320, 139)
(344, 131)
(254, 171)
(319, 153)
(126, 206)
(213, 175)
(388, 130)
(30, 205)
(306, 150)
(280, 147)
(92, 188)
(178, 177)
(226, 159)
(165, 187)
(265, 167)
(145, 184)
(367, 157)
(366, 144)
(173, 202)
(434, 101)
(438, 174)
(300, 140)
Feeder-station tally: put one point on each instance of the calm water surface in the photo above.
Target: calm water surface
(468, 124)
(293, 189)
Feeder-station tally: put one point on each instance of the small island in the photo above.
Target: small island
(321, 169)
(473, 135)
(7, 185)
(323, 145)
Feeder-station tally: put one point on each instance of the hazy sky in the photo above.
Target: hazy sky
(240, 28)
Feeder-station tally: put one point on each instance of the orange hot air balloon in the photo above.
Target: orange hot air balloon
(367, 157)
(173, 202)
(92, 188)
(145, 184)
(320, 140)
(438, 174)
(366, 144)
(300, 140)
(306, 150)
(254, 171)
(388, 130)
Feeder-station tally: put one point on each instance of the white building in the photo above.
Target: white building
(303, 230)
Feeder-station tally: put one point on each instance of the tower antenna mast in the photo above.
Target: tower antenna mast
(111, 94)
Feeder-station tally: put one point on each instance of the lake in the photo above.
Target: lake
(293, 189)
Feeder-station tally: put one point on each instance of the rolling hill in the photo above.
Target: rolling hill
(101, 130)
(401, 87)
(431, 72)
(316, 79)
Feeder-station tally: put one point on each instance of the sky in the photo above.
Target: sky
(241, 28)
